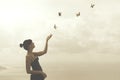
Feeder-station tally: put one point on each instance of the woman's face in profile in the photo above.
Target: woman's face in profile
(32, 45)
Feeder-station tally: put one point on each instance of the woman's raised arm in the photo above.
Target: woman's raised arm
(45, 48)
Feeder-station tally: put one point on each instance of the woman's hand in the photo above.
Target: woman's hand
(44, 75)
(48, 37)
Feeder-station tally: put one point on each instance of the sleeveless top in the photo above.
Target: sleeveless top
(36, 66)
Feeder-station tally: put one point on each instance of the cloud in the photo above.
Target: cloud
(2, 68)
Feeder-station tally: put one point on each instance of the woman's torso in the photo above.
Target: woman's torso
(36, 66)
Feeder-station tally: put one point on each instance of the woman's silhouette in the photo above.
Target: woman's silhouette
(32, 59)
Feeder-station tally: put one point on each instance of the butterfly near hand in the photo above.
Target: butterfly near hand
(55, 27)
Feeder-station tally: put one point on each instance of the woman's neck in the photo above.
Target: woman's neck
(30, 51)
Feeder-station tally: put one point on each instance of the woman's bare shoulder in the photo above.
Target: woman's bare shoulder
(30, 58)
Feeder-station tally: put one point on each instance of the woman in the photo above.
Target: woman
(32, 59)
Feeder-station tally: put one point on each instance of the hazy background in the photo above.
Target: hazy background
(82, 48)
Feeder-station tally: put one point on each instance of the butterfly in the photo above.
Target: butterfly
(59, 13)
(55, 27)
(92, 5)
(78, 14)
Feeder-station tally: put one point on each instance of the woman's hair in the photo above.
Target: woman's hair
(26, 44)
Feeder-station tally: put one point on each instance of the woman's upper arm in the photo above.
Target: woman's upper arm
(39, 53)
(28, 64)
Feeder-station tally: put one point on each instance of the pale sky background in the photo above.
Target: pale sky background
(92, 37)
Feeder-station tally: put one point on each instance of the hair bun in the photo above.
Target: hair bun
(21, 45)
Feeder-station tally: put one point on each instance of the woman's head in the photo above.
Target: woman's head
(27, 44)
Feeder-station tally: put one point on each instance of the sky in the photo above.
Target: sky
(96, 30)
(93, 36)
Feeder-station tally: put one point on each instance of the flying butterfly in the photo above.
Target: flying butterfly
(92, 5)
(55, 27)
(59, 13)
(78, 14)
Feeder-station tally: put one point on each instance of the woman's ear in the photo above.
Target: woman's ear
(29, 46)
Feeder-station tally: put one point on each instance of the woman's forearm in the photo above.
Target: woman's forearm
(46, 44)
(46, 47)
(43, 51)
(34, 72)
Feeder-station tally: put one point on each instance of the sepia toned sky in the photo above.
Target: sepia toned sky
(82, 48)
(95, 31)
